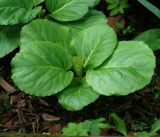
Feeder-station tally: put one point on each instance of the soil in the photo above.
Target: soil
(25, 114)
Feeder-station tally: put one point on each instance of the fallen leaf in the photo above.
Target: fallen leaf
(50, 118)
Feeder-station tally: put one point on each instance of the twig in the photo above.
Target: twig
(6, 86)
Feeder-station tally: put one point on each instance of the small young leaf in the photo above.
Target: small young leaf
(75, 130)
(112, 6)
(144, 134)
(121, 10)
(123, 4)
(97, 125)
(78, 62)
(119, 123)
(114, 11)
(112, 1)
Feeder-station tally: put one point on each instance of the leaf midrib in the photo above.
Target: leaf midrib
(62, 7)
(13, 8)
(43, 67)
(108, 67)
(91, 54)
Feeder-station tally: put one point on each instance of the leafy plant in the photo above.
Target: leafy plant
(153, 132)
(53, 73)
(78, 61)
(117, 6)
(150, 37)
(85, 128)
(119, 123)
(138, 126)
(125, 29)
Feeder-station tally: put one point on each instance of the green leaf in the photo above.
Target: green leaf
(95, 44)
(123, 4)
(119, 123)
(17, 11)
(9, 39)
(138, 126)
(155, 126)
(88, 126)
(150, 37)
(95, 3)
(112, 6)
(97, 125)
(130, 68)
(40, 68)
(75, 130)
(112, 1)
(36, 2)
(114, 12)
(94, 17)
(143, 134)
(150, 7)
(77, 96)
(121, 10)
(44, 30)
(78, 62)
(69, 10)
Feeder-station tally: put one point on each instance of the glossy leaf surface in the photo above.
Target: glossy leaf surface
(77, 96)
(44, 30)
(17, 11)
(150, 37)
(130, 68)
(9, 39)
(40, 68)
(69, 10)
(95, 44)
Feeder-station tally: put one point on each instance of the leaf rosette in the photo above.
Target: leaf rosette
(81, 67)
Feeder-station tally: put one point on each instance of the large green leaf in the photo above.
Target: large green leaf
(94, 17)
(69, 10)
(9, 39)
(95, 44)
(44, 30)
(40, 68)
(150, 37)
(17, 11)
(77, 96)
(130, 68)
